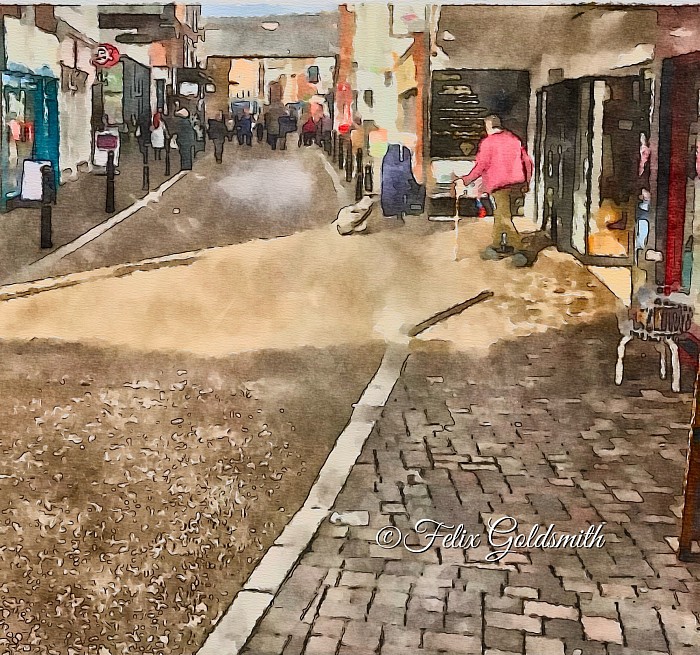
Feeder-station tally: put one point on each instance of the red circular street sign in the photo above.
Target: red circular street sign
(106, 55)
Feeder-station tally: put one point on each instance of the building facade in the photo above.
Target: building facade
(606, 101)
(54, 94)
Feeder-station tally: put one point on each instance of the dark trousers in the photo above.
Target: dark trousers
(186, 157)
(259, 130)
(157, 153)
(272, 140)
(218, 150)
(309, 138)
(245, 137)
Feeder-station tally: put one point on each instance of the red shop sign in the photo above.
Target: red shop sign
(105, 56)
(107, 141)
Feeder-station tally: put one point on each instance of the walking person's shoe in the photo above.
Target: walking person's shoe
(520, 260)
(490, 254)
(501, 251)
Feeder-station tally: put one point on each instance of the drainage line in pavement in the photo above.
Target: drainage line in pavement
(447, 313)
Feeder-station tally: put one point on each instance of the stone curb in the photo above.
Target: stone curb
(25, 289)
(249, 606)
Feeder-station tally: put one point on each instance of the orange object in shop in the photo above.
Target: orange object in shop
(611, 237)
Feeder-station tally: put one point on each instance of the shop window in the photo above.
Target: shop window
(622, 166)
(462, 98)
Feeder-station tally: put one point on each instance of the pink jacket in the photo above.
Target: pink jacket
(501, 161)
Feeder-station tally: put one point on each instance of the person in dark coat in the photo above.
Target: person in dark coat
(186, 137)
(217, 133)
(288, 125)
(273, 116)
(143, 133)
(244, 128)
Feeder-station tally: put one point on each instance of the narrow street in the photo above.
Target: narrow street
(254, 194)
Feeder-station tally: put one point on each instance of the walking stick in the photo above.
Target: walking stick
(460, 188)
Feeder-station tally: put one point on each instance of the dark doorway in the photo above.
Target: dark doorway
(560, 104)
(591, 166)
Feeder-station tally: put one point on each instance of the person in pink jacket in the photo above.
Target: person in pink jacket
(504, 167)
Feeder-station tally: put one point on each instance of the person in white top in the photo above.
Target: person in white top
(158, 135)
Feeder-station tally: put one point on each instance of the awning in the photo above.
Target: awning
(195, 75)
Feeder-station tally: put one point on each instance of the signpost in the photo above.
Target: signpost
(47, 197)
(105, 142)
(109, 197)
(106, 55)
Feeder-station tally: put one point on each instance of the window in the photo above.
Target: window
(313, 74)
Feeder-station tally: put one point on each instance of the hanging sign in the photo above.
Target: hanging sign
(105, 56)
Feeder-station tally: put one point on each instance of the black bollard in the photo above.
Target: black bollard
(47, 196)
(167, 157)
(348, 163)
(334, 144)
(341, 152)
(359, 192)
(369, 179)
(146, 170)
(109, 202)
(359, 175)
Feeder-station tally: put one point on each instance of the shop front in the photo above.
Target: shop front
(460, 100)
(30, 128)
(679, 172)
(592, 166)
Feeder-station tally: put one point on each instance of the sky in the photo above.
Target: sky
(246, 8)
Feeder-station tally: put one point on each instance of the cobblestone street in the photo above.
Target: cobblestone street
(465, 440)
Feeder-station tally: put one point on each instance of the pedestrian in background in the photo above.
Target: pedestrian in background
(143, 132)
(272, 123)
(259, 127)
(158, 135)
(217, 133)
(186, 137)
(309, 132)
(325, 130)
(244, 128)
(288, 125)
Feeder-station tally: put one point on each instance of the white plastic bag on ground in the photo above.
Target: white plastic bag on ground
(354, 217)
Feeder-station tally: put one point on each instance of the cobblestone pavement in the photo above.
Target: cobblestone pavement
(518, 434)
